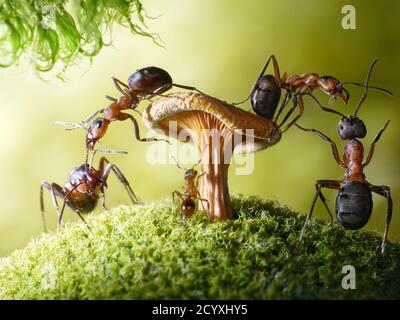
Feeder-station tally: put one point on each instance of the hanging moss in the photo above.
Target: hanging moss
(61, 32)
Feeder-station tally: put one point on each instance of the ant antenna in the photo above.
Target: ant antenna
(364, 96)
(73, 125)
(369, 87)
(201, 156)
(181, 167)
(178, 164)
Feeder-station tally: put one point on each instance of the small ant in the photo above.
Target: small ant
(82, 190)
(354, 201)
(266, 92)
(191, 192)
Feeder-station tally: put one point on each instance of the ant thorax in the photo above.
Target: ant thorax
(84, 175)
(353, 157)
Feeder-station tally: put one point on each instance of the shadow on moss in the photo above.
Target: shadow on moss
(151, 251)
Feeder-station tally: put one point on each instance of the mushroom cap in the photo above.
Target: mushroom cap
(179, 106)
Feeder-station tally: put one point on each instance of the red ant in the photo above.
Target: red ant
(191, 192)
(82, 190)
(266, 92)
(142, 84)
(354, 201)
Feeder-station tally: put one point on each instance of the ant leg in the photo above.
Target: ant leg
(198, 178)
(55, 190)
(83, 220)
(137, 132)
(157, 92)
(187, 88)
(372, 148)
(90, 117)
(331, 184)
(333, 144)
(276, 71)
(301, 110)
(323, 199)
(203, 200)
(111, 98)
(385, 192)
(118, 83)
(67, 199)
(295, 103)
(283, 105)
(176, 194)
(120, 176)
(103, 201)
(71, 202)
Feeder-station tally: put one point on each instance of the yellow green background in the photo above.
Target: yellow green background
(218, 46)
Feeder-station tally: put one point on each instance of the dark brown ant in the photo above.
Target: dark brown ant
(191, 192)
(354, 201)
(145, 83)
(148, 82)
(266, 92)
(83, 188)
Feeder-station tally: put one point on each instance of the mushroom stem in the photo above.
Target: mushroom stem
(214, 164)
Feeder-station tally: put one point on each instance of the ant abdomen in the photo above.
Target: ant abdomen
(149, 79)
(85, 203)
(266, 96)
(354, 205)
(188, 207)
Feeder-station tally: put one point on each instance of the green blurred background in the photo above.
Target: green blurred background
(219, 47)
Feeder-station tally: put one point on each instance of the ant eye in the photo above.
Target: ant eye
(341, 128)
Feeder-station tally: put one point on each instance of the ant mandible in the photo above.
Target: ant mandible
(83, 188)
(266, 92)
(354, 201)
(191, 192)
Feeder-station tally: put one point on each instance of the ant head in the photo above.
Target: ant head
(149, 79)
(86, 176)
(96, 131)
(351, 127)
(333, 87)
(190, 173)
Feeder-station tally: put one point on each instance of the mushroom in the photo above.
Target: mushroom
(217, 129)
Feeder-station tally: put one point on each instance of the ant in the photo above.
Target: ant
(145, 83)
(191, 192)
(82, 190)
(266, 92)
(354, 201)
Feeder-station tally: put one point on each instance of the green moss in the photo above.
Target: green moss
(51, 31)
(151, 251)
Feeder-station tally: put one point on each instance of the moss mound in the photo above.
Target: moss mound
(151, 251)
